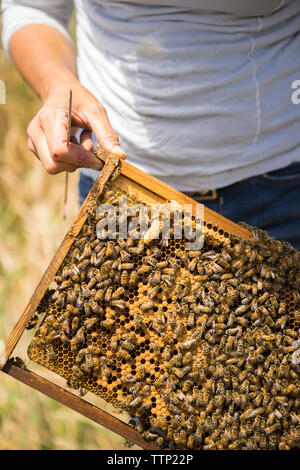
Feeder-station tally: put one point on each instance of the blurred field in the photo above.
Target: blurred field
(31, 228)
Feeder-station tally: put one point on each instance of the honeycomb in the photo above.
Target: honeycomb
(195, 345)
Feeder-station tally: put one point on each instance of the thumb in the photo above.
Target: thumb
(105, 134)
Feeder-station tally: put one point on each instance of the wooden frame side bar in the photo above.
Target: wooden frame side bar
(78, 404)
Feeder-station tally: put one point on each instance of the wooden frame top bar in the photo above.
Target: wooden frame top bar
(167, 192)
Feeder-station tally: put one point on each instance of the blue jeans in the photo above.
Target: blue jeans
(270, 201)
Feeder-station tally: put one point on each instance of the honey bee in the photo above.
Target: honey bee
(32, 322)
(202, 309)
(51, 354)
(93, 349)
(87, 308)
(282, 308)
(99, 295)
(108, 294)
(136, 402)
(189, 344)
(127, 345)
(80, 356)
(156, 348)
(144, 269)
(241, 309)
(124, 404)
(179, 329)
(191, 320)
(176, 423)
(168, 279)
(121, 304)
(106, 372)
(146, 305)
(114, 342)
(167, 352)
(124, 354)
(153, 291)
(118, 293)
(94, 260)
(125, 257)
(166, 339)
(77, 371)
(109, 249)
(95, 307)
(230, 344)
(140, 371)
(137, 320)
(160, 381)
(187, 359)
(220, 389)
(126, 266)
(133, 278)
(192, 265)
(161, 264)
(180, 373)
(89, 364)
(94, 365)
(155, 278)
(61, 300)
(90, 322)
(108, 323)
(65, 327)
(116, 173)
(78, 339)
(73, 383)
(124, 278)
(92, 283)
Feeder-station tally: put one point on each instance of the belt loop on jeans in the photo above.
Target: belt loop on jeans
(205, 195)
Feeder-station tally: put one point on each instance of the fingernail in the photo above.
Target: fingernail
(97, 166)
(119, 151)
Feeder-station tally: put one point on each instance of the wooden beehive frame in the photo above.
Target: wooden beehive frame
(152, 190)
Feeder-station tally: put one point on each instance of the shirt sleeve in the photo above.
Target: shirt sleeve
(19, 13)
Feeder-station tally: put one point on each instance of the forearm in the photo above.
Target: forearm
(44, 57)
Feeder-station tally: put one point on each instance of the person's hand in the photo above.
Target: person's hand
(47, 132)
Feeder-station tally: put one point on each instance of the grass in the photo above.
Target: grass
(31, 228)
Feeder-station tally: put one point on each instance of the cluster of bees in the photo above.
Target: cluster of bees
(196, 346)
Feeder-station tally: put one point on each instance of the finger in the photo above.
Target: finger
(31, 147)
(74, 131)
(54, 125)
(50, 165)
(55, 133)
(73, 139)
(105, 134)
(86, 140)
(76, 155)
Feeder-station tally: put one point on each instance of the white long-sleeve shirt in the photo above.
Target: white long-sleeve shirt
(198, 91)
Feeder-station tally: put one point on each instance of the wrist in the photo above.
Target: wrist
(56, 77)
